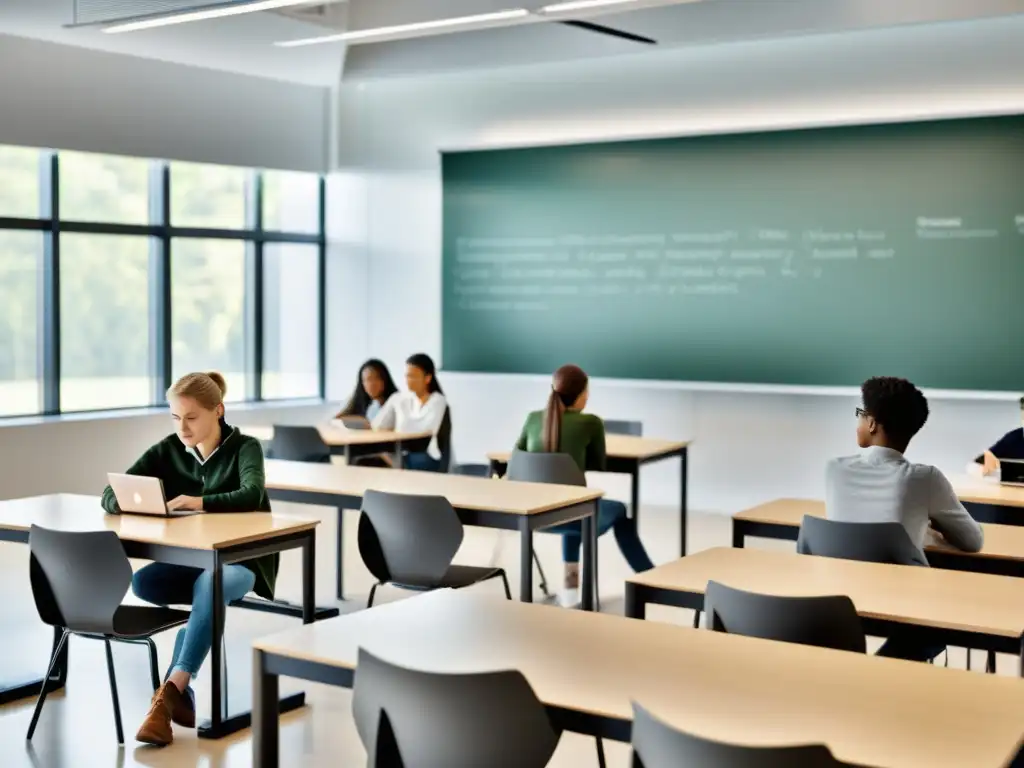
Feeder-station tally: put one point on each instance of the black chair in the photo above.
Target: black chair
(827, 622)
(870, 542)
(657, 745)
(78, 581)
(412, 719)
(618, 427)
(409, 542)
(354, 422)
(299, 444)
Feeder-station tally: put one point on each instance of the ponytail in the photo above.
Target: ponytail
(552, 433)
(568, 383)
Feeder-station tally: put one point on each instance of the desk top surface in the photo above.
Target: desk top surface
(1002, 542)
(334, 435)
(623, 447)
(987, 490)
(464, 492)
(69, 512)
(930, 597)
(867, 710)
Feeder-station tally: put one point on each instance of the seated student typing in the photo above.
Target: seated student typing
(210, 467)
(374, 386)
(880, 485)
(1009, 446)
(562, 427)
(421, 409)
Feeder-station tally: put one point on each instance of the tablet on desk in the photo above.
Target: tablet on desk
(1011, 472)
(142, 495)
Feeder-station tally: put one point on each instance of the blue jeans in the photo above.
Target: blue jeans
(165, 584)
(422, 461)
(611, 514)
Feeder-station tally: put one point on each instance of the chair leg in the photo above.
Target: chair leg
(373, 591)
(113, 691)
(600, 752)
(46, 679)
(504, 581)
(154, 664)
(543, 578)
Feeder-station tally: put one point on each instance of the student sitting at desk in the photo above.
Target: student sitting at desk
(206, 466)
(1009, 446)
(374, 386)
(880, 485)
(563, 428)
(421, 409)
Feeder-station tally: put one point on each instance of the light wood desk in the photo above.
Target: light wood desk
(588, 668)
(972, 610)
(988, 500)
(626, 454)
(1003, 552)
(352, 443)
(523, 507)
(206, 541)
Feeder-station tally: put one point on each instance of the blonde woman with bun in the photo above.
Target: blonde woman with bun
(205, 466)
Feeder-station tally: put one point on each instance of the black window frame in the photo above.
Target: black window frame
(161, 233)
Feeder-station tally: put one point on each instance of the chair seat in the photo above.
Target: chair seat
(146, 620)
(456, 577)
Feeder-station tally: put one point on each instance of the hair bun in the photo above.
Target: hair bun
(218, 379)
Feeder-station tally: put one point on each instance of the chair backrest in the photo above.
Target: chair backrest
(828, 622)
(427, 720)
(444, 440)
(472, 470)
(619, 427)
(299, 444)
(657, 745)
(78, 578)
(408, 539)
(871, 542)
(556, 468)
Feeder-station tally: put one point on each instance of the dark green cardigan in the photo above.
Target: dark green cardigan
(232, 480)
(582, 438)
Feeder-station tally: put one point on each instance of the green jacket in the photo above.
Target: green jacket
(231, 480)
(582, 438)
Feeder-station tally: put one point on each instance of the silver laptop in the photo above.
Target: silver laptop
(142, 495)
(1011, 472)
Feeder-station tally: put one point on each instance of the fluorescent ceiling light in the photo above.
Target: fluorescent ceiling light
(579, 5)
(399, 29)
(217, 12)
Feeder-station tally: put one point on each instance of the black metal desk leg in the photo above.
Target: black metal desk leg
(525, 561)
(265, 718)
(636, 608)
(589, 560)
(309, 577)
(398, 454)
(634, 494)
(340, 552)
(683, 511)
(217, 708)
(23, 688)
(1020, 671)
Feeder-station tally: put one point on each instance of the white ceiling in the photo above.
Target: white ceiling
(244, 44)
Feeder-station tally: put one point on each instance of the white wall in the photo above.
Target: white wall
(64, 97)
(387, 234)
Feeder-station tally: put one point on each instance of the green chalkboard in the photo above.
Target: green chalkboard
(804, 257)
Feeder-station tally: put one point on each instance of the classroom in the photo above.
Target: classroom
(461, 383)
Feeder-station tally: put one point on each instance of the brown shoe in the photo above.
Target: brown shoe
(183, 708)
(156, 728)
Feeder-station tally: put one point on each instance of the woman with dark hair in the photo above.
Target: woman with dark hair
(562, 427)
(421, 409)
(374, 386)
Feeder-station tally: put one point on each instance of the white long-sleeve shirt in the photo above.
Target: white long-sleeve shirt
(403, 412)
(881, 486)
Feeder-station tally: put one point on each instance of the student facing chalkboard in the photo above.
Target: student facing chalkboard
(1009, 446)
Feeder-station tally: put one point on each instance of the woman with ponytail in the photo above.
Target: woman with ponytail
(562, 427)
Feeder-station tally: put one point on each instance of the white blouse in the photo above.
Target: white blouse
(403, 412)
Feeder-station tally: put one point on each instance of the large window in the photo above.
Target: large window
(119, 274)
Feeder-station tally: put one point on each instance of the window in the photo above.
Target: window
(104, 320)
(291, 318)
(19, 182)
(104, 188)
(20, 273)
(208, 293)
(291, 202)
(209, 196)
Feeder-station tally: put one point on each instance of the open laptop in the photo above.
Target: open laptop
(142, 495)
(1011, 472)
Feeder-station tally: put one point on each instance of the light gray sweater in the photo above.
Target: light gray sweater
(880, 486)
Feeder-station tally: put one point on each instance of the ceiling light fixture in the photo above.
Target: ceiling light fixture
(215, 12)
(361, 35)
(580, 5)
